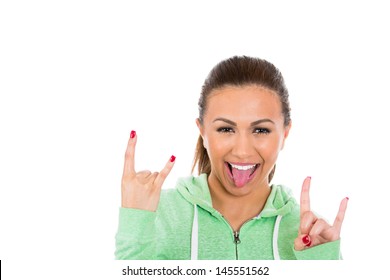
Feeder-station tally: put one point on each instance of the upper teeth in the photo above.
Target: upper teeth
(242, 167)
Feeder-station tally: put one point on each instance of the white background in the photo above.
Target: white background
(77, 76)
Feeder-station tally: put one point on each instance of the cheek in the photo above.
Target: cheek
(269, 149)
(215, 147)
(218, 147)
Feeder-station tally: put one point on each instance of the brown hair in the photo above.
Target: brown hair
(239, 71)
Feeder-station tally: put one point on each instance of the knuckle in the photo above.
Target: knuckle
(307, 215)
(154, 175)
(163, 174)
(125, 180)
(143, 173)
(128, 154)
(338, 219)
(321, 221)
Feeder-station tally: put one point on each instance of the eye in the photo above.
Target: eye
(261, 130)
(225, 130)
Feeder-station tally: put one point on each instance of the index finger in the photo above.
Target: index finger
(305, 197)
(129, 155)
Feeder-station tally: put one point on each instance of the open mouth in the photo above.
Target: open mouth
(241, 174)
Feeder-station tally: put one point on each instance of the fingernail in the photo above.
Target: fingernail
(347, 198)
(309, 177)
(132, 134)
(172, 159)
(306, 240)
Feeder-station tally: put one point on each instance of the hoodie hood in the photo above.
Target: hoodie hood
(196, 191)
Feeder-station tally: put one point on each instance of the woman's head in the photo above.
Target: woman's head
(240, 92)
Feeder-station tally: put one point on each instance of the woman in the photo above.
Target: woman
(230, 211)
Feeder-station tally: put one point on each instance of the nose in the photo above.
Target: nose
(242, 147)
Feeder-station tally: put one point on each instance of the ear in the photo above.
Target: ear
(285, 135)
(200, 126)
(201, 131)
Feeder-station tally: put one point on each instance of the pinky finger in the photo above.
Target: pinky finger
(338, 221)
(165, 172)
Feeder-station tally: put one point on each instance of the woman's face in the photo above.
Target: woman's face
(243, 131)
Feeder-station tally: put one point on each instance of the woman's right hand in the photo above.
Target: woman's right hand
(141, 190)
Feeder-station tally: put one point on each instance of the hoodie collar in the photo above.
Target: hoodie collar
(196, 191)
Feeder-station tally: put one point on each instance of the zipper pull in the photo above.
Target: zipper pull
(237, 237)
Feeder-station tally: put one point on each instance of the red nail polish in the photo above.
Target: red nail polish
(347, 198)
(132, 134)
(172, 159)
(306, 240)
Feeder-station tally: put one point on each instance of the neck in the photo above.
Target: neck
(237, 209)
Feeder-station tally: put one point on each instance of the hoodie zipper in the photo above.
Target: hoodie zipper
(236, 235)
(237, 241)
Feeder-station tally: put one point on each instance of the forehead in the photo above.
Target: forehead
(242, 102)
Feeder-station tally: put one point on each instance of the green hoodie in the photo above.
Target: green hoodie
(186, 226)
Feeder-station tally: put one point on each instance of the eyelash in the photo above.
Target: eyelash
(260, 130)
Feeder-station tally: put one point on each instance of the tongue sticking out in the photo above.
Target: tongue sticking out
(241, 177)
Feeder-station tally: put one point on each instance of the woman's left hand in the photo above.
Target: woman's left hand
(315, 231)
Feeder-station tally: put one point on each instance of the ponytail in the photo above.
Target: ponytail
(201, 158)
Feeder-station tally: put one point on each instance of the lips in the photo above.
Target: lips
(241, 173)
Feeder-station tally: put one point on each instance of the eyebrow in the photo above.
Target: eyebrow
(252, 123)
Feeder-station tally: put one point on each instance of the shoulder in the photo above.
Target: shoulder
(170, 198)
(292, 219)
(289, 210)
